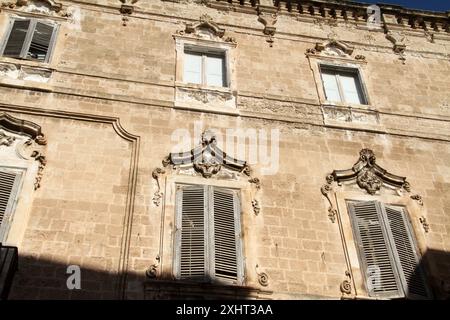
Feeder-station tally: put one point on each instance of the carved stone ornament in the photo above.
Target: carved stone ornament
(333, 47)
(30, 144)
(263, 278)
(152, 271)
(206, 29)
(369, 175)
(207, 160)
(346, 285)
(425, 225)
(399, 42)
(47, 7)
(326, 190)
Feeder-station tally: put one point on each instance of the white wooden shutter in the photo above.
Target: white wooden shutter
(406, 253)
(373, 248)
(191, 203)
(9, 184)
(17, 38)
(215, 66)
(331, 86)
(226, 235)
(40, 41)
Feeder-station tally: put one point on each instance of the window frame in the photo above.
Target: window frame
(209, 231)
(205, 52)
(337, 69)
(28, 38)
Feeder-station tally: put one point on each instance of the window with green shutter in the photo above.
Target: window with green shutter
(388, 252)
(207, 241)
(9, 185)
(29, 39)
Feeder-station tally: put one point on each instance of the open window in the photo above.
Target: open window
(31, 39)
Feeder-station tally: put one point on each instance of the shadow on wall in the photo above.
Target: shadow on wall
(436, 264)
(45, 279)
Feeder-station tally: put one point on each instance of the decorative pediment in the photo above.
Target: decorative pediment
(22, 140)
(47, 7)
(206, 27)
(22, 127)
(334, 48)
(207, 159)
(369, 175)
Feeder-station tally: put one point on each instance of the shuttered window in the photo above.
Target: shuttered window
(205, 67)
(29, 39)
(387, 249)
(9, 184)
(208, 244)
(342, 85)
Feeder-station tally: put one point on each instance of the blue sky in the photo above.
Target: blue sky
(433, 5)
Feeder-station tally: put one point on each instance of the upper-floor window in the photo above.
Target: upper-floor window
(342, 85)
(388, 250)
(10, 180)
(208, 237)
(205, 67)
(29, 39)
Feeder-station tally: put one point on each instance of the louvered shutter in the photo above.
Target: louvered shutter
(17, 38)
(373, 248)
(40, 41)
(226, 235)
(9, 182)
(407, 256)
(191, 224)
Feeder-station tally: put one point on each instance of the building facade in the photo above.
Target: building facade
(224, 149)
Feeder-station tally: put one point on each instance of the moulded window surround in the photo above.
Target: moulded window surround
(205, 66)
(343, 84)
(208, 247)
(30, 39)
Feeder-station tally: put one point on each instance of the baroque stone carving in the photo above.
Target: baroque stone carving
(399, 42)
(152, 271)
(418, 198)
(263, 278)
(6, 140)
(206, 28)
(34, 139)
(158, 194)
(369, 175)
(346, 285)
(326, 190)
(332, 47)
(207, 159)
(425, 225)
(48, 7)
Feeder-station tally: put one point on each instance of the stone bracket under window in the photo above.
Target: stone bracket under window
(39, 7)
(25, 72)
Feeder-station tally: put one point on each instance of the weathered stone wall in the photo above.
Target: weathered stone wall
(107, 112)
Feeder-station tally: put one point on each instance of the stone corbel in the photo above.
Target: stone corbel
(126, 9)
(152, 271)
(425, 225)
(267, 15)
(399, 42)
